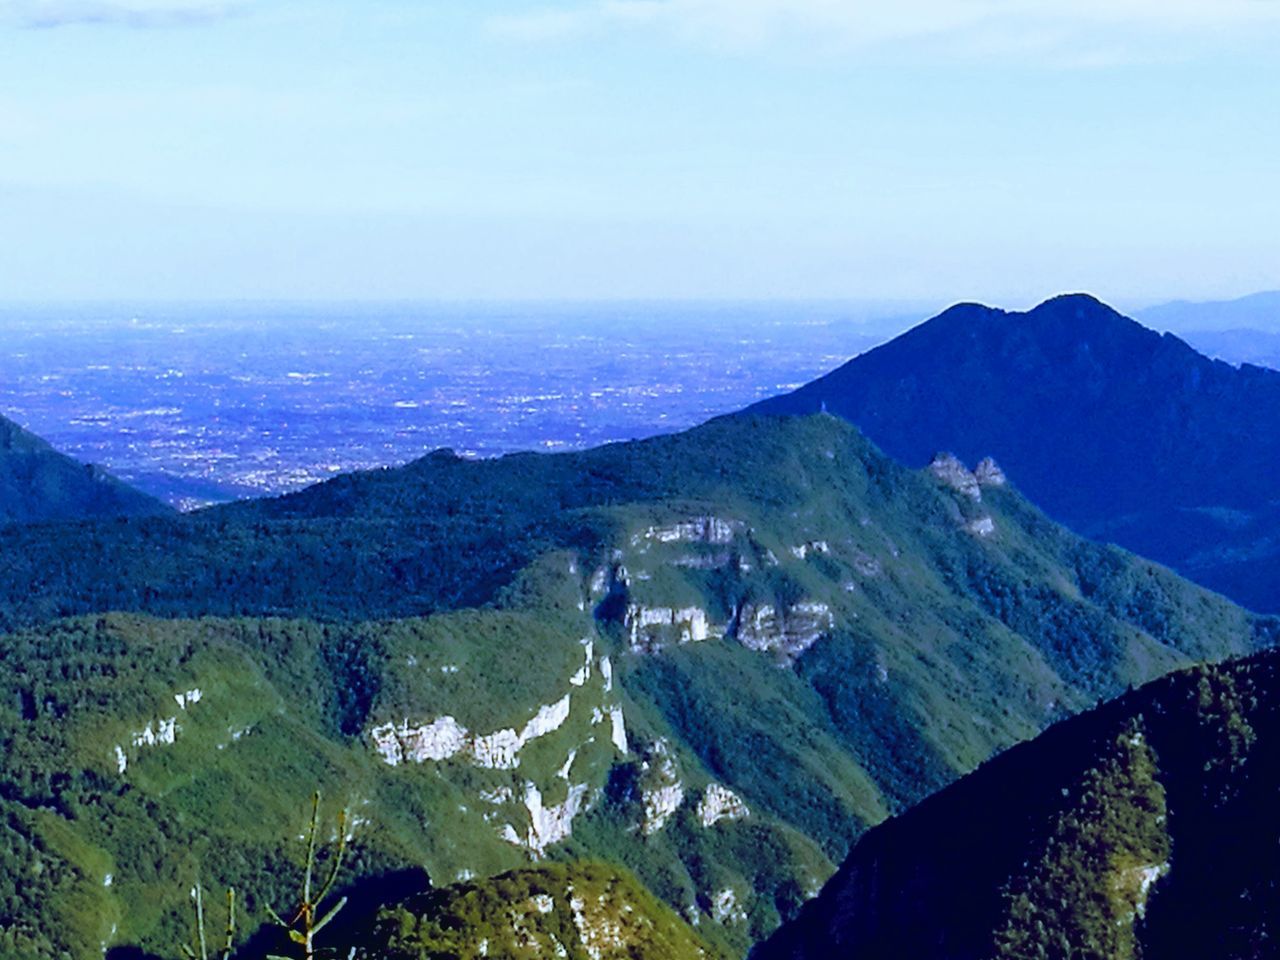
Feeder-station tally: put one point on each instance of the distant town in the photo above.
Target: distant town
(200, 404)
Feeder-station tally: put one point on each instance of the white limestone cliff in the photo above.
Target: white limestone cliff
(791, 631)
(647, 626)
(661, 792)
(950, 471)
(725, 907)
(989, 474)
(720, 803)
(981, 527)
(706, 529)
(547, 825)
(444, 738)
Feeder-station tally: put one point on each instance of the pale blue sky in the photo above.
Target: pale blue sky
(919, 149)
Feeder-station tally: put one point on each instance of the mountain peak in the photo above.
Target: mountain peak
(1079, 302)
(1107, 425)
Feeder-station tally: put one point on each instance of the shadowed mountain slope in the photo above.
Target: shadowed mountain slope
(39, 484)
(1119, 432)
(1147, 827)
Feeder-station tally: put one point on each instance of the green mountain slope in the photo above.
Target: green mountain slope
(1147, 827)
(1120, 432)
(715, 658)
(582, 912)
(39, 484)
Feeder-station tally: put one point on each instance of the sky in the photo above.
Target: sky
(1000, 150)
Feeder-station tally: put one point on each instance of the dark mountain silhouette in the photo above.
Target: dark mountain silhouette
(1146, 827)
(1120, 432)
(37, 483)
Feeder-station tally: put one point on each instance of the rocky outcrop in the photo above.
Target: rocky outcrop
(188, 697)
(548, 825)
(581, 911)
(725, 908)
(714, 531)
(444, 739)
(161, 732)
(720, 803)
(164, 731)
(441, 739)
(617, 729)
(803, 551)
(661, 791)
(989, 474)
(649, 629)
(583, 674)
(788, 631)
(949, 470)
(981, 527)
(617, 725)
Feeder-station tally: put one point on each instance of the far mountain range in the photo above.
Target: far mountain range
(1124, 434)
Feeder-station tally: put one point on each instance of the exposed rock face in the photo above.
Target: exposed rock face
(790, 631)
(165, 731)
(441, 739)
(661, 791)
(617, 725)
(189, 697)
(618, 729)
(706, 529)
(583, 911)
(981, 527)
(547, 825)
(1144, 878)
(651, 628)
(813, 546)
(444, 738)
(720, 803)
(584, 672)
(160, 732)
(949, 470)
(989, 474)
(725, 907)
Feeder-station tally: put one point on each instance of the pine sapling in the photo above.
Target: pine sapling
(309, 918)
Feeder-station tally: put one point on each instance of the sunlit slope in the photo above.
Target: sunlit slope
(716, 658)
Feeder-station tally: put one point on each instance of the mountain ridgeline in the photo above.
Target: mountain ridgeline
(37, 483)
(1147, 827)
(716, 658)
(1122, 433)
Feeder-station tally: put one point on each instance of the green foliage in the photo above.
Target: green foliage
(1147, 827)
(584, 911)
(1080, 896)
(313, 911)
(943, 649)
